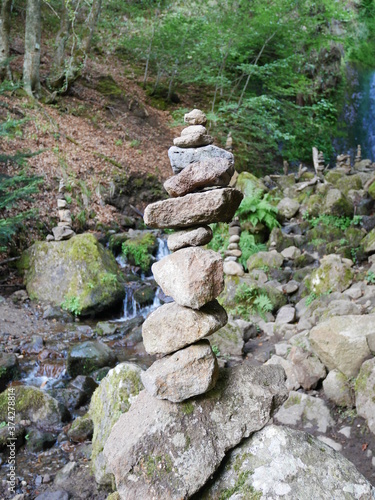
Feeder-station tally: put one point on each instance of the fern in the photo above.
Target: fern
(249, 247)
(257, 208)
(251, 300)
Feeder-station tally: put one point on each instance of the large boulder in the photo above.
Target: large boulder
(182, 157)
(172, 327)
(32, 404)
(336, 203)
(265, 260)
(161, 449)
(341, 342)
(111, 399)
(218, 205)
(333, 275)
(191, 276)
(281, 463)
(365, 393)
(79, 274)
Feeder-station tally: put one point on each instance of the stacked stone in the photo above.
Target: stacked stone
(358, 157)
(191, 275)
(343, 163)
(64, 230)
(231, 265)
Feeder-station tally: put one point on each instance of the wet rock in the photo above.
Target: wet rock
(305, 411)
(340, 342)
(172, 326)
(171, 377)
(77, 393)
(81, 430)
(218, 205)
(191, 276)
(38, 440)
(262, 260)
(104, 328)
(145, 294)
(365, 393)
(8, 369)
(113, 397)
(228, 341)
(334, 274)
(181, 158)
(34, 405)
(189, 238)
(207, 173)
(78, 273)
(87, 357)
(288, 208)
(158, 450)
(337, 388)
(278, 463)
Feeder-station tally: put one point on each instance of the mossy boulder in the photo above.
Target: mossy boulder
(228, 341)
(365, 393)
(333, 275)
(79, 274)
(247, 183)
(371, 190)
(349, 182)
(32, 404)
(89, 356)
(81, 430)
(139, 248)
(336, 203)
(8, 369)
(265, 260)
(369, 242)
(111, 399)
(334, 176)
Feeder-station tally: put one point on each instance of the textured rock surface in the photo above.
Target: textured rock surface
(340, 342)
(191, 276)
(166, 450)
(288, 208)
(207, 173)
(228, 341)
(259, 260)
(172, 327)
(333, 275)
(189, 238)
(365, 393)
(233, 268)
(88, 356)
(113, 397)
(282, 463)
(195, 117)
(194, 209)
(181, 158)
(184, 374)
(337, 388)
(79, 269)
(193, 140)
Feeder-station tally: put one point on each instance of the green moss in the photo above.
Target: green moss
(334, 177)
(138, 251)
(292, 401)
(371, 190)
(242, 486)
(108, 87)
(156, 466)
(187, 408)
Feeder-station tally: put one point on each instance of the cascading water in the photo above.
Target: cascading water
(131, 307)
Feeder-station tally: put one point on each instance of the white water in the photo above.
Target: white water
(131, 308)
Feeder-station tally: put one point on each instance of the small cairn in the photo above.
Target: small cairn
(358, 157)
(63, 231)
(231, 265)
(343, 163)
(191, 275)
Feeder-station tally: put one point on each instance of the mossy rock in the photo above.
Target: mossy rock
(32, 404)
(336, 203)
(145, 294)
(110, 400)
(139, 248)
(82, 429)
(286, 181)
(107, 86)
(334, 176)
(350, 182)
(247, 183)
(371, 190)
(78, 274)
(87, 357)
(333, 275)
(368, 242)
(314, 205)
(8, 369)
(228, 341)
(39, 441)
(265, 260)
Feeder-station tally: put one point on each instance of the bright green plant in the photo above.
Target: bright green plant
(249, 246)
(220, 239)
(370, 277)
(138, 251)
(333, 221)
(251, 300)
(108, 279)
(72, 304)
(257, 208)
(215, 350)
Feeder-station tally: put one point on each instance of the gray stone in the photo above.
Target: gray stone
(194, 129)
(195, 117)
(228, 341)
(165, 450)
(88, 356)
(288, 208)
(61, 233)
(172, 327)
(8, 369)
(114, 396)
(171, 377)
(193, 140)
(305, 411)
(261, 260)
(286, 314)
(291, 253)
(336, 203)
(53, 495)
(80, 274)
(365, 393)
(308, 369)
(233, 269)
(290, 371)
(207, 173)
(181, 158)
(338, 389)
(334, 274)
(81, 430)
(340, 342)
(234, 239)
(290, 287)
(368, 242)
(191, 276)
(64, 475)
(218, 205)
(198, 236)
(280, 463)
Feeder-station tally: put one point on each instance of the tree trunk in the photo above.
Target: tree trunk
(4, 39)
(57, 75)
(31, 63)
(92, 21)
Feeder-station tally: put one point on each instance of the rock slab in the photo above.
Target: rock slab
(165, 450)
(191, 276)
(184, 374)
(172, 327)
(218, 205)
(180, 158)
(197, 236)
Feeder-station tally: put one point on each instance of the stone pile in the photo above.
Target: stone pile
(231, 265)
(191, 275)
(63, 231)
(343, 163)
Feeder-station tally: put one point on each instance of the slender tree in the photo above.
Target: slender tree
(4, 39)
(57, 75)
(31, 80)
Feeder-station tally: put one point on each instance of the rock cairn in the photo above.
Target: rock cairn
(191, 275)
(63, 231)
(231, 265)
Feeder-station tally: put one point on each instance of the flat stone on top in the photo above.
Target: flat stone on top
(218, 205)
(184, 374)
(195, 117)
(182, 157)
(191, 276)
(207, 173)
(189, 238)
(172, 327)
(193, 140)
